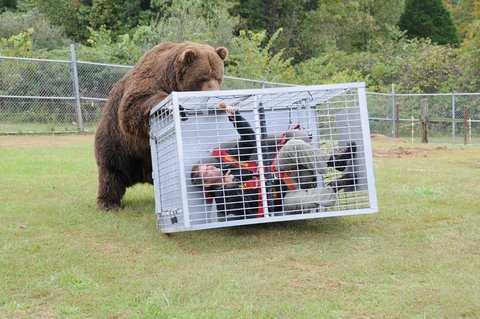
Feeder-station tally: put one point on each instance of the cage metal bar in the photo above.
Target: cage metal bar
(222, 93)
(155, 175)
(367, 149)
(312, 215)
(180, 151)
(261, 167)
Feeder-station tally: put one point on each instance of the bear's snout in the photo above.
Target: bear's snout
(211, 85)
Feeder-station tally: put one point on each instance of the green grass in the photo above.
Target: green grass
(61, 258)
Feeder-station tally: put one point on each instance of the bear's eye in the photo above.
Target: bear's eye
(204, 79)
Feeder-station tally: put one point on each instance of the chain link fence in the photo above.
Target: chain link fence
(39, 96)
(446, 118)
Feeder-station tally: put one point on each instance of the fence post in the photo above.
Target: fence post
(397, 121)
(76, 89)
(265, 79)
(393, 111)
(465, 125)
(424, 119)
(453, 117)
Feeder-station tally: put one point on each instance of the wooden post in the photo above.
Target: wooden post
(465, 125)
(424, 119)
(397, 121)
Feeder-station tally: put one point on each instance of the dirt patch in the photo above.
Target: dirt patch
(383, 138)
(42, 140)
(407, 151)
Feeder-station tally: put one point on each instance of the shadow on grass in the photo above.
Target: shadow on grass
(135, 226)
(139, 208)
(276, 234)
(321, 225)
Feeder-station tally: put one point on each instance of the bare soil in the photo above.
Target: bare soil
(383, 138)
(407, 151)
(402, 151)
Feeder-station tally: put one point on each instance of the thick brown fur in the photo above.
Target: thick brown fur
(122, 147)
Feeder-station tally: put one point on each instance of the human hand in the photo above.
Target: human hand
(228, 179)
(296, 127)
(227, 108)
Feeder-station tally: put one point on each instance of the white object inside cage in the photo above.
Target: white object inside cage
(287, 154)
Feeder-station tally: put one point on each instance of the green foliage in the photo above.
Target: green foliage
(125, 49)
(272, 15)
(8, 4)
(119, 16)
(333, 66)
(428, 19)
(44, 37)
(311, 27)
(184, 21)
(319, 42)
(71, 15)
(197, 21)
(469, 61)
(464, 13)
(414, 65)
(248, 58)
(17, 45)
(428, 68)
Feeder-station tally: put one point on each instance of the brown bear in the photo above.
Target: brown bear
(122, 147)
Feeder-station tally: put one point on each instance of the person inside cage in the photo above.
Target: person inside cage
(231, 177)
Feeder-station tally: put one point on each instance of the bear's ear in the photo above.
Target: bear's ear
(188, 56)
(222, 52)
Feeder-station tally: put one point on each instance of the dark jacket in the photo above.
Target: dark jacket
(241, 201)
(238, 201)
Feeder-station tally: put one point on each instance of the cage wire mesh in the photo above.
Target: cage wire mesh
(288, 153)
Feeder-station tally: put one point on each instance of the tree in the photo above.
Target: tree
(465, 13)
(251, 57)
(71, 15)
(8, 4)
(470, 59)
(120, 16)
(347, 25)
(272, 15)
(44, 35)
(428, 19)
(204, 21)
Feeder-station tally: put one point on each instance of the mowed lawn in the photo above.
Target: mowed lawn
(61, 258)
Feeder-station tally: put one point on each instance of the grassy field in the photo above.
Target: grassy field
(61, 258)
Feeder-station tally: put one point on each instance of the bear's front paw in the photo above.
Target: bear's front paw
(108, 206)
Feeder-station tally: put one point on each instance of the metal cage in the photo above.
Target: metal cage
(188, 129)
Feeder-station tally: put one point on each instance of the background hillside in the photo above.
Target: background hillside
(421, 46)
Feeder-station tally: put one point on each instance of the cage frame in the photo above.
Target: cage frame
(173, 99)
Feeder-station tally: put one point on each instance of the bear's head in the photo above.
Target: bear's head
(199, 67)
